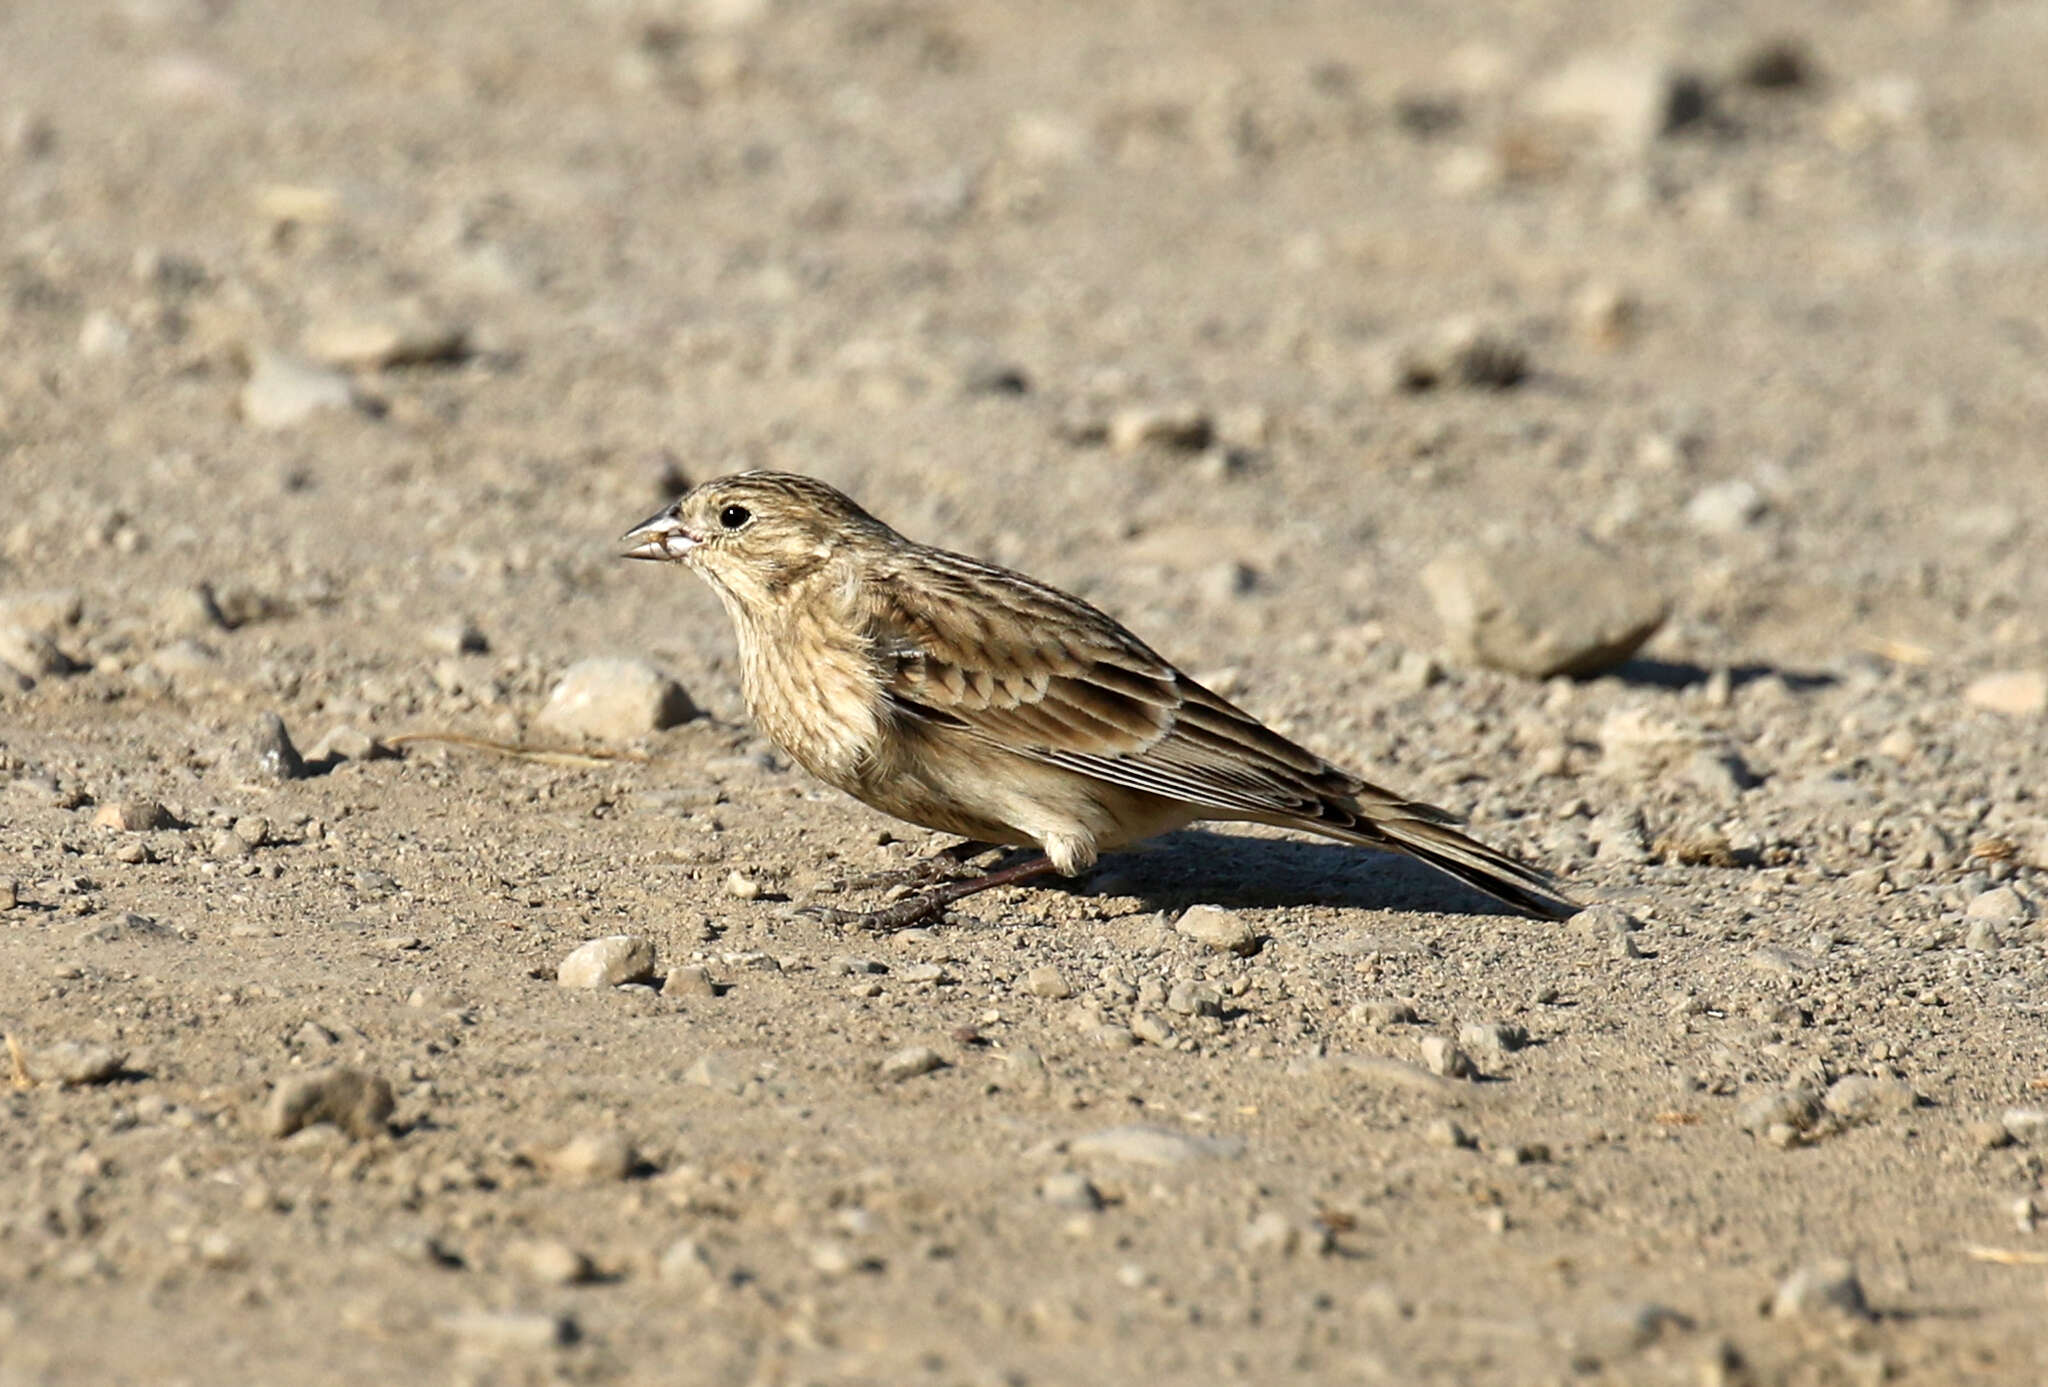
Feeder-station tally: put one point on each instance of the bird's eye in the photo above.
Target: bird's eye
(732, 517)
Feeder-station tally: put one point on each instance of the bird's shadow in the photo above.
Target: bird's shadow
(1245, 872)
(1683, 674)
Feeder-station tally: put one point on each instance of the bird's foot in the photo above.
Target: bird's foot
(916, 909)
(947, 864)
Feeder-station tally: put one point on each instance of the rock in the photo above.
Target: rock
(360, 1104)
(591, 1158)
(1780, 64)
(691, 980)
(509, 1331)
(1725, 508)
(1271, 1234)
(346, 743)
(1152, 1028)
(1219, 929)
(69, 1062)
(2019, 693)
(1443, 1058)
(1195, 999)
(190, 611)
(47, 611)
(1983, 937)
(1447, 1134)
(1048, 981)
(909, 1062)
(1070, 1190)
(2029, 1125)
(1606, 924)
(1383, 1012)
(283, 391)
(742, 887)
(32, 654)
(136, 815)
(10, 893)
(1862, 1098)
(402, 335)
(1462, 352)
(615, 700)
(608, 962)
(1494, 1037)
(127, 925)
(2002, 903)
(1154, 1146)
(1828, 1288)
(684, 1263)
(1186, 427)
(1631, 101)
(1543, 609)
(1792, 1109)
(549, 1262)
(271, 755)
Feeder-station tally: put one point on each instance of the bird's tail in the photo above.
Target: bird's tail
(1428, 833)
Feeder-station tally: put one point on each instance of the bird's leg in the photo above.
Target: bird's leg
(913, 910)
(942, 865)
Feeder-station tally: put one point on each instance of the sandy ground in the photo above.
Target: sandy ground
(337, 344)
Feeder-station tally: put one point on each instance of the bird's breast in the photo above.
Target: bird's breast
(816, 696)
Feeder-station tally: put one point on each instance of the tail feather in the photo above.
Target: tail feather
(1506, 879)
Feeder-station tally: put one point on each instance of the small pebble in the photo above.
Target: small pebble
(909, 1062)
(1151, 1028)
(1861, 1098)
(1828, 1288)
(358, 1103)
(684, 1262)
(271, 755)
(282, 391)
(1271, 1234)
(1496, 1037)
(608, 962)
(592, 1158)
(549, 1263)
(1070, 1190)
(1048, 981)
(1443, 1058)
(69, 1063)
(929, 973)
(1384, 1012)
(509, 1331)
(1195, 999)
(2017, 693)
(742, 887)
(135, 815)
(1794, 1109)
(1153, 1146)
(691, 980)
(1447, 1134)
(1184, 427)
(1222, 930)
(614, 700)
(2028, 1125)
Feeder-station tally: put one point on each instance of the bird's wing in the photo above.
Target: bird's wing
(1005, 659)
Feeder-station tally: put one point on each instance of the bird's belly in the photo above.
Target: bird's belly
(977, 791)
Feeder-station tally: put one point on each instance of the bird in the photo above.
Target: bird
(975, 701)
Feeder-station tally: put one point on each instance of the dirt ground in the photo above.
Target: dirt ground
(338, 343)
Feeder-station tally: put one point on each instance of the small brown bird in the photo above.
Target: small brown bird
(976, 701)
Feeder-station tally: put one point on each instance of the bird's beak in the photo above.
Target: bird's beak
(659, 536)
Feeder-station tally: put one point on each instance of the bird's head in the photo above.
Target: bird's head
(756, 536)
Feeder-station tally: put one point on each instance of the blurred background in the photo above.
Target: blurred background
(402, 311)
